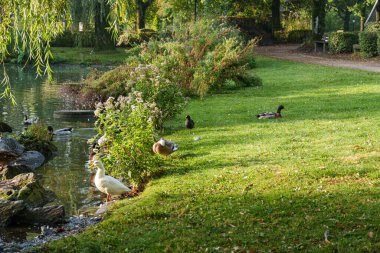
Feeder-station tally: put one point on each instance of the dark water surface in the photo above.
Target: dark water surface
(66, 174)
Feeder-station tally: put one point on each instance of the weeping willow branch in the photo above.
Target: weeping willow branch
(29, 26)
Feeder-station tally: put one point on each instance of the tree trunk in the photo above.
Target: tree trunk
(103, 39)
(318, 16)
(378, 11)
(195, 10)
(141, 8)
(276, 16)
(362, 18)
(346, 20)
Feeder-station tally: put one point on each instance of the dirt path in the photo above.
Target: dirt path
(289, 52)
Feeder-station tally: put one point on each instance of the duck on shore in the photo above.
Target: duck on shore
(107, 184)
(189, 122)
(164, 147)
(271, 115)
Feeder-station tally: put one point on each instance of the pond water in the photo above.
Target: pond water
(66, 174)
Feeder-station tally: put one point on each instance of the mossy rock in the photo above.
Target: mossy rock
(47, 148)
(25, 187)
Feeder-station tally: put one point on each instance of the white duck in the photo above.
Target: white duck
(107, 184)
(62, 131)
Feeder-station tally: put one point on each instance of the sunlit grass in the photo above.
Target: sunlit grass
(262, 185)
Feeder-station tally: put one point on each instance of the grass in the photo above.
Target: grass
(87, 56)
(262, 185)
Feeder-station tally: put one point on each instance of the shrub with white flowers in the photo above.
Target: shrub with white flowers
(126, 125)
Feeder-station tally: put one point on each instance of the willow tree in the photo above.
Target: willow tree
(24, 27)
(30, 26)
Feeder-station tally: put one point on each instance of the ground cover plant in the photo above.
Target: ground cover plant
(308, 182)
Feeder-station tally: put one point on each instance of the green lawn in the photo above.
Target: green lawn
(88, 56)
(262, 185)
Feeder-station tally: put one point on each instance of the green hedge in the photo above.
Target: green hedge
(378, 42)
(299, 36)
(342, 42)
(368, 44)
(75, 39)
(295, 36)
(372, 27)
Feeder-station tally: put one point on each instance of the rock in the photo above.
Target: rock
(25, 187)
(9, 172)
(41, 215)
(30, 159)
(8, 210)
(9, 149)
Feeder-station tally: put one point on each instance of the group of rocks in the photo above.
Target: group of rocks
(23, 199)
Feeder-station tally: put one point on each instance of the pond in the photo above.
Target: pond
(67, 174)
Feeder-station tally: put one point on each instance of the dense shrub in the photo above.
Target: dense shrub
(378, 42)
(201, 56)
(368, 44)
(133, 38)
(281, 36)
(84, 39)
(342, 42)
(66, 39)
(127, 123)
(75, 39)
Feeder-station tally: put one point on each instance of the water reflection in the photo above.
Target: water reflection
(66, 174)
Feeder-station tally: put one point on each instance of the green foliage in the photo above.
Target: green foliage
(127, 125)
(342, 42)
(368, 44)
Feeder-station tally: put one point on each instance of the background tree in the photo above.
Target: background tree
(318, 18)
(103, 37)
(141, 9)
(343, 9)
(360, 9)
(276, 15)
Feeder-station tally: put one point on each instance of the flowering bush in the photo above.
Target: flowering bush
(127, 125)
(164, 96)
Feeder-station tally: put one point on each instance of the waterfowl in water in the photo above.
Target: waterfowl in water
(164, 147)
(271, 115)
(189, 123)
(107, 184)
(30, 121)
(5, 128)
(62, 131)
